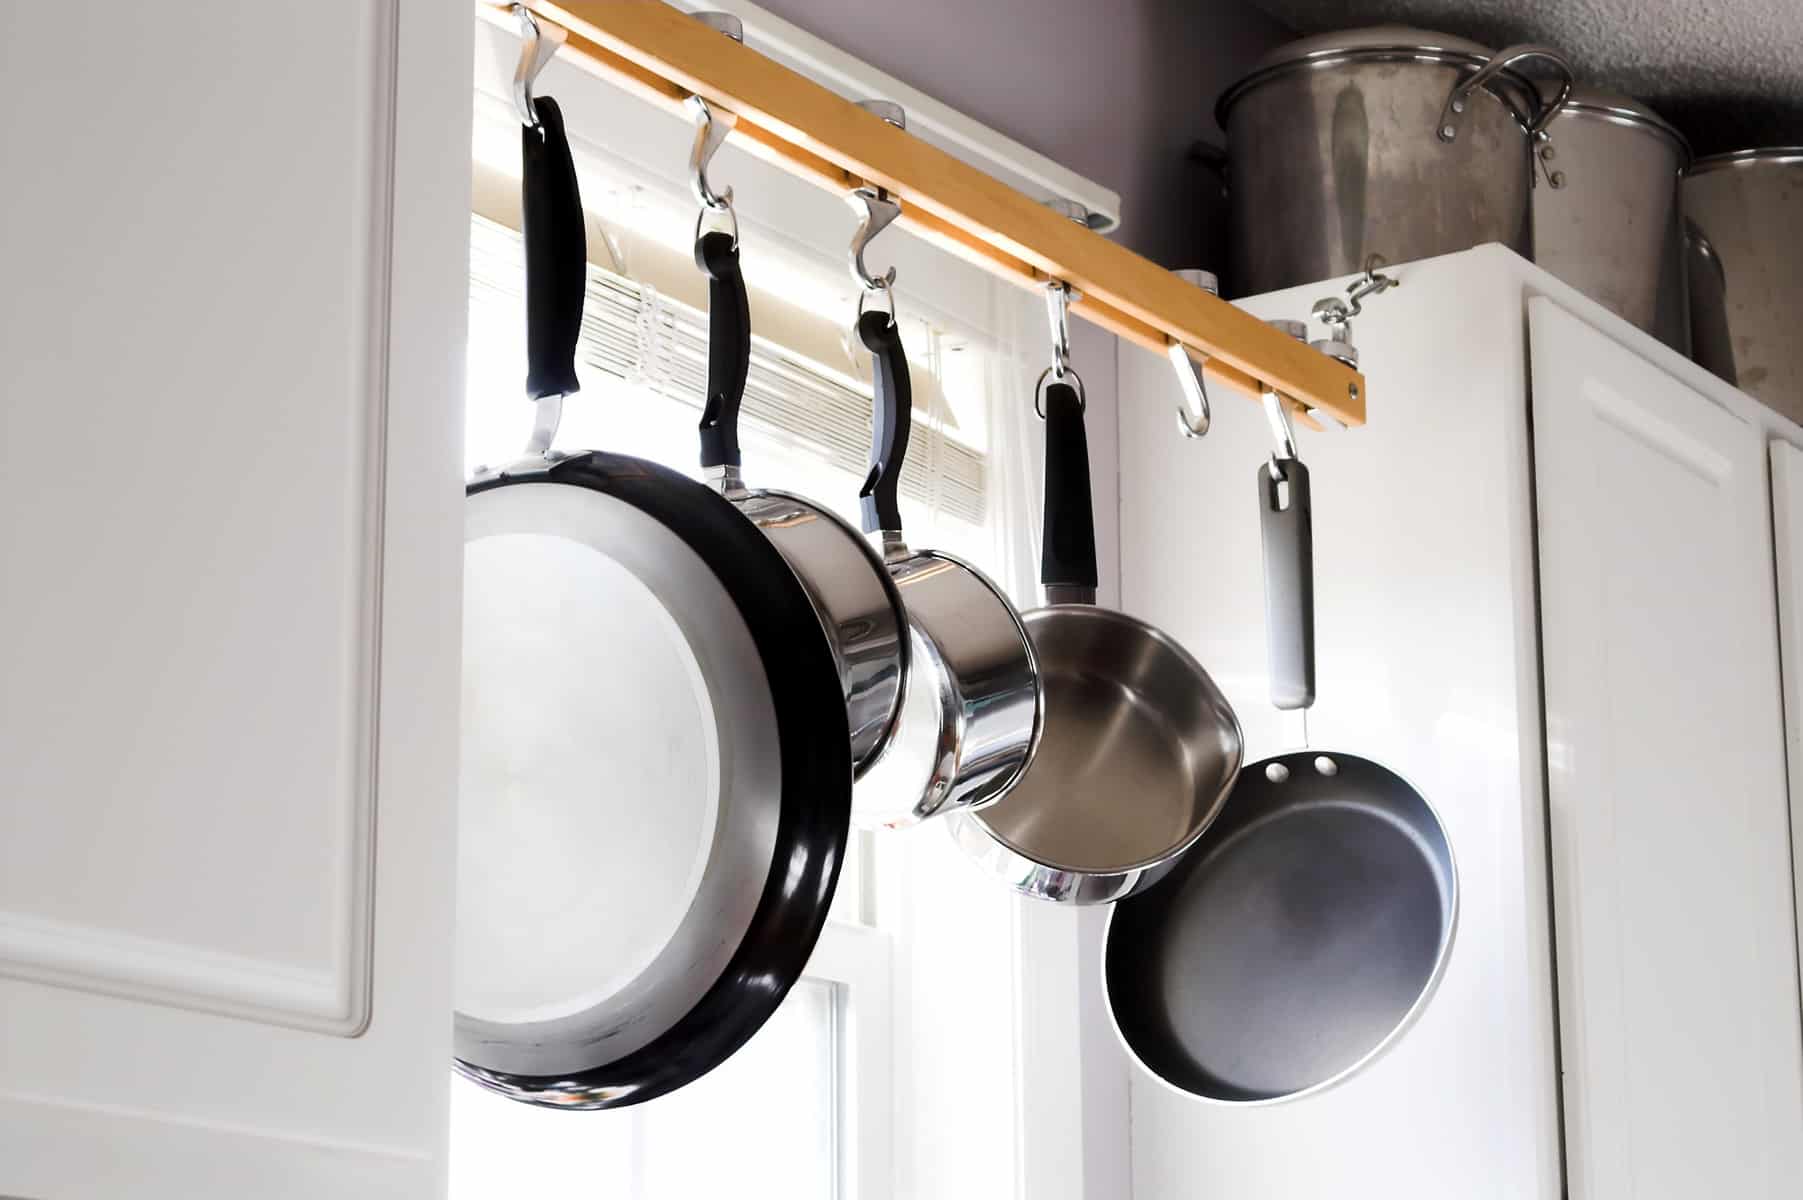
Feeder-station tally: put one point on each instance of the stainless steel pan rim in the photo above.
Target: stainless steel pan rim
(1775, 156)
(875, 675)
(1442, 959)
(1051, 880)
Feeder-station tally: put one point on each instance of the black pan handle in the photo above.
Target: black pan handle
(728, 347)
(1286, 521)
(556, 253)
(1067, 551)
(892, 419)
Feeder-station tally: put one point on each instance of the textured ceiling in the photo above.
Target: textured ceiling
(1729, 73)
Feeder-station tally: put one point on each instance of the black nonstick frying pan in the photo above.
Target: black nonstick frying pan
(1307, 928)
(656, 772)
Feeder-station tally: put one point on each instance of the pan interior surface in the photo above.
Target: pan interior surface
(616, 811)
(1296, 939)
(1138, 750)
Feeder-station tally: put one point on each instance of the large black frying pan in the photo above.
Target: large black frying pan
(656, 778)
(1307, 928)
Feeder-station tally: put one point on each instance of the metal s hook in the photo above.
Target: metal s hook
(1283, 435)
(1194, 415)
(539, 41)
(1057, 311)
(1277, 410)
(711, 130)
(877, 211)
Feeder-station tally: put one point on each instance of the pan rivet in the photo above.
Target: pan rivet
(1327, 766)
(1277, 773)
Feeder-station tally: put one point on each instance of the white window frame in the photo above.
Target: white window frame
(856, 959)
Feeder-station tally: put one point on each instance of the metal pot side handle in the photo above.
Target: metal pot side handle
(1451, 116)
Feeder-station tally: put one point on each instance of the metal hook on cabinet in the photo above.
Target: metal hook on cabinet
(539, 42)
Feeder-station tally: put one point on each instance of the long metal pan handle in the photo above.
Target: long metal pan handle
(556, 253)
(891, 422)
(728, 347)
(1067, 550)
(1286, 524)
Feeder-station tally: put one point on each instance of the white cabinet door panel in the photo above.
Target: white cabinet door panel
(1682, 1058)
(232, 323)
(1787, 534)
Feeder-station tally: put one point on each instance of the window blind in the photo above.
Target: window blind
(633, 333)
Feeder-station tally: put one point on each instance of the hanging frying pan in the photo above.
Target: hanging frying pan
(1310, 925)
(970, 718)
(1139, 747)
(858, 603)
(656, 777)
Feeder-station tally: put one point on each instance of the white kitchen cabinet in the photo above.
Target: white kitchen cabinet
(1666, 780)
(235, 248)
(1596, 524)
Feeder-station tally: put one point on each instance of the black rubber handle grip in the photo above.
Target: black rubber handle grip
(892, 420)
(556, 253)
(1067, 549)
(728, 347)
(1286, 523)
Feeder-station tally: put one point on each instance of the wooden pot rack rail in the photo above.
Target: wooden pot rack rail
(663, 55)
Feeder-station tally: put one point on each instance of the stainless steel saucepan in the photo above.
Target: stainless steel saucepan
(1307, 929)
(1140, 746)
(970, 717)
(859, 605)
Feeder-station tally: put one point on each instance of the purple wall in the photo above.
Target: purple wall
(1117, 90)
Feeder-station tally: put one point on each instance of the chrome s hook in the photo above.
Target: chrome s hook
(1195, 393)
(1277, 409)
(1372, 283)
(1057, 311)
(877, 211)
(539, 42)
(711, 130)
(1283, 435)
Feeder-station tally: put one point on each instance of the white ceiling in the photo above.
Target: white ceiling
(1729, 73)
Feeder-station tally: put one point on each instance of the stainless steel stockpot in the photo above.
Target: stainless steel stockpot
(1391, 141)
(971, 713)
(1614, 228)
(1748, 206)
(858, 603)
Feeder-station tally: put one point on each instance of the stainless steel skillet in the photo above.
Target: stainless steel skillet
(656, 773)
